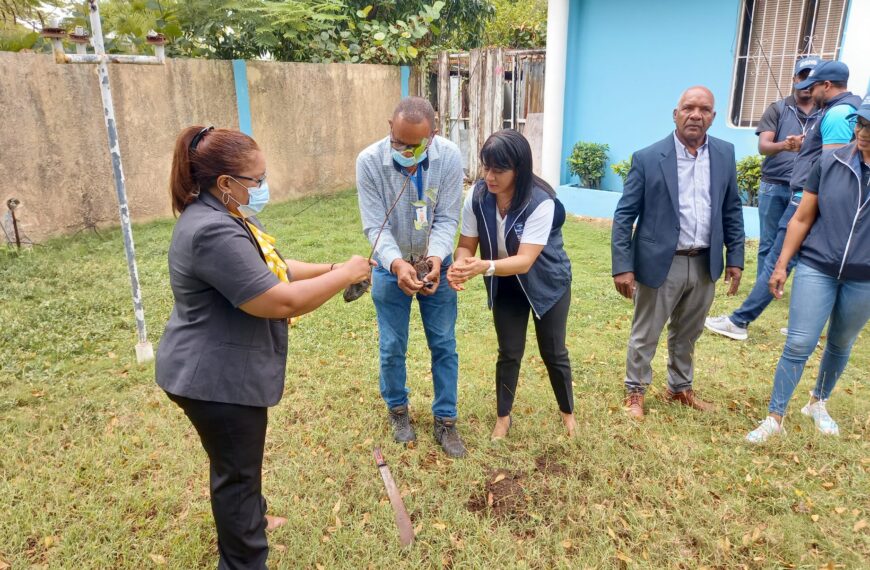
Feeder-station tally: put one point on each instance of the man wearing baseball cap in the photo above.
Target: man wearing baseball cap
(832, 129)
(780, 133)
(827, 85)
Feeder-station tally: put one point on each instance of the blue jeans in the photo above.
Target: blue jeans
(773, 199)
(760, 297)
(438, 312)
(815, 297)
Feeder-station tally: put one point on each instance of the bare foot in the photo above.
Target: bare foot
(274, 522)
(570, 424)
(502, 427)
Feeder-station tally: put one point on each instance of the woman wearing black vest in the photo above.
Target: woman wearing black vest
(516, 220)
(831, 229)
(223, 355)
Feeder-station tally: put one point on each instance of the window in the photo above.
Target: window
(773, 35)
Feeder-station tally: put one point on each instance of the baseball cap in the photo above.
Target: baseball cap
(863, 110)
(807, 62)
(825, 71)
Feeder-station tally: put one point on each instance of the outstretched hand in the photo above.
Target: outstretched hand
(463, 270)
(357, 268)
(406, 277)
(433, 278)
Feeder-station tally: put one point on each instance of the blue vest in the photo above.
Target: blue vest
(811, 149)
(839, 241)
(777, 168)
(549, 278)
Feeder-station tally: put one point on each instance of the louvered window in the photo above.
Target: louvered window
(773, 36)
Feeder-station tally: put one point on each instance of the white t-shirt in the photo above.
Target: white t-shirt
(535, 231)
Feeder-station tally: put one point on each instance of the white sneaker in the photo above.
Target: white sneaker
(723, 325)
(765, 430)
(823, 420)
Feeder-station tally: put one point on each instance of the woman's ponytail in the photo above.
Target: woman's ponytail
(181, 183)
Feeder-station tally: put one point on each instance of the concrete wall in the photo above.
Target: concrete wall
(310, 119)
(313, 119)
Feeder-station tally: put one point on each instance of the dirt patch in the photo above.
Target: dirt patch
(503, 496)
(597, 222)
(548, 466)
(430, 461)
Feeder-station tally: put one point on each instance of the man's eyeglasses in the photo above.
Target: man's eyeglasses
(862, 124)
(259, 180)
(414, 148)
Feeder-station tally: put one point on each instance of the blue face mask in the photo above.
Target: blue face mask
(257, 199)
(407, 161)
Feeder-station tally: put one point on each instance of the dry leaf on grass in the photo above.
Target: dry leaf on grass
(499, 477)
(157, 559)
(860, 525)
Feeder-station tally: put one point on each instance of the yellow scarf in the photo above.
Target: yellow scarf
(267, 246)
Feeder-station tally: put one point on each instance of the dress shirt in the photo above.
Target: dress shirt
(696, 208)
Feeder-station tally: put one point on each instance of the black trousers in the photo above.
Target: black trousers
(234, 437)
(510, 313)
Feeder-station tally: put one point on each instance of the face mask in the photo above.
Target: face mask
(407, 161)
(257, 199)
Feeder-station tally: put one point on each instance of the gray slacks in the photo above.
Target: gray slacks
(685, 298)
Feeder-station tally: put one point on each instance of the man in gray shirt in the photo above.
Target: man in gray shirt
(421, 174)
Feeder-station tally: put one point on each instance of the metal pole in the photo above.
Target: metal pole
(12, 203)
(144, 350)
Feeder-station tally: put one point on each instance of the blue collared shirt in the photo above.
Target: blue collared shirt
(696, 207)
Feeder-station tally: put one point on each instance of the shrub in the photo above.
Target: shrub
(749, 178)
(621, 168)
(587, 161)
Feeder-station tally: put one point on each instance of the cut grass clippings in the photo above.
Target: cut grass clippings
(100, 470)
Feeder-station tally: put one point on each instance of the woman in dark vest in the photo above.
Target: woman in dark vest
(223, 354)
(516, 220)
(831, 228)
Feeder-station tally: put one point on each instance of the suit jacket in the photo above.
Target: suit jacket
(651, 196)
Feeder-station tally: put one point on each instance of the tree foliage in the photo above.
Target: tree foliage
(519, 24)
(389, 32)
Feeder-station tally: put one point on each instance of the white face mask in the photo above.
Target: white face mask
(258, 197)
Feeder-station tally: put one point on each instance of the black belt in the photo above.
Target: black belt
(692, 252)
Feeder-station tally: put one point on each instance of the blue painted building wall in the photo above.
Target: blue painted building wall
(629, 61)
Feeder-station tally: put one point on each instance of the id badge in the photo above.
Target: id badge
(421, 214)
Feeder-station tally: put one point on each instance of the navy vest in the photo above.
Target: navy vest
(777, 168)
(811, 149)
(839, 241)
(549, 278)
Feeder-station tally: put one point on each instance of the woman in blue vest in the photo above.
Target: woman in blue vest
(516, 220)
(831, 228)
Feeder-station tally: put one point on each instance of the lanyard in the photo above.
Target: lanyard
(418, 181)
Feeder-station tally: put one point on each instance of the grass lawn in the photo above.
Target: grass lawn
(100, 470)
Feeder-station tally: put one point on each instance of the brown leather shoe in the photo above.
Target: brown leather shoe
(634, 405)
(690, 399)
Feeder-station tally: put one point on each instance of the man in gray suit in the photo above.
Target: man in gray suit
(682, 191)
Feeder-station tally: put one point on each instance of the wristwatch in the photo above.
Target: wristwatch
(491, 271)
